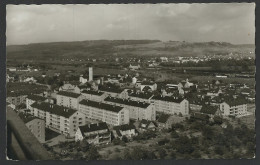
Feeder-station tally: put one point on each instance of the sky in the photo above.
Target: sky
(233, 22)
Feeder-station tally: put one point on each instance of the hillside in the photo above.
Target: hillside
(124, 48)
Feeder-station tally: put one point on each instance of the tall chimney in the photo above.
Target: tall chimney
(90, 73)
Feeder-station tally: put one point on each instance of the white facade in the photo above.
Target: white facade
(90, 72)
(171, 107)
(108, 116)
(235, 110)
(67, 101)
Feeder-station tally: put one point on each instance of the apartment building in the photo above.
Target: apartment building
(141, 97)
(137, 110)
(69, 99)
(16, 99)
(32, 99)
(58, 118)
(171, 105)
(236, 107)
(111, 114)
(93, 95)
(97, 133)
(35, 125)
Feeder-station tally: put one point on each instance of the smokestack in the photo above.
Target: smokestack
(90, 72)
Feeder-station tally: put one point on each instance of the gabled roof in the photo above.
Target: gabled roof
(54, 109)
(163, 118)
(124, 127)
(100, 105)
(235, 102)
(127, 102)
(68, 94)
(208, 109)
(168, 98)
(147, 83)
(91, 92)
(93, 127)
(36, 97)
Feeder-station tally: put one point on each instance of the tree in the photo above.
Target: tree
(124, 139)
(162, 153)
(174, 134)
(92, 154)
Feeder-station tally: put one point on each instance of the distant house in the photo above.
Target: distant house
(83, 79)
(142, 97)
(70, 88)
(12, 69)
(148, 86)
(97, 133)
(114, 92)
(185, 84)
(210, 110)
(93, 95)
(214, 92)
(29, 79)
(35, 125)
(134, 67)
(147, 125)
(127, 130)
(164, 122)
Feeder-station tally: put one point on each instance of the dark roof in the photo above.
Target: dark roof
(91, 92)
(141, 95)
(93, 127)
(124, 127)
(27, 117)
(163, 118)
(147, 83)
(68, 94)
(36, 98)
(209, 109)
(168, 98)
(235, 102)
(127, 102)
(111, 89)
(54, 109)
(100, 105)
(200, 116)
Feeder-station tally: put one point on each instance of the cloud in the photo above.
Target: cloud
(189, 22)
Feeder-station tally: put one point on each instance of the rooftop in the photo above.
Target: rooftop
(124, 127)
(147, 83)
(111, 89)
(127, 102)
(100, 105)
(163, 118)
(68, 94)
(54, 109)
(27, 117)
(168, 98)
(91, 92)
(93, 127)
(235, 102)
(36, 97)
(141, 95)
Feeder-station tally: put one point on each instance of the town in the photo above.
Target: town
(109, 116)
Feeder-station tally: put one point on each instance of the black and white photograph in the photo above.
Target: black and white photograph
(158, 81)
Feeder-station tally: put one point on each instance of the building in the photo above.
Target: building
(97, 133)
(35, 125)
(32, 99)
(58, 118)
(147, 125)
(134, 67)
(141, 97)
(234, 107)
(16, 98)
(171, 105)
(127, 130)
(111, 114)
(70, 88)
(137, 110)
(83, 79)
(114, 92)
(69, 99)
(90, 73)
(210, 110)
(164, 122)
(148, 86)
(93, 95)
